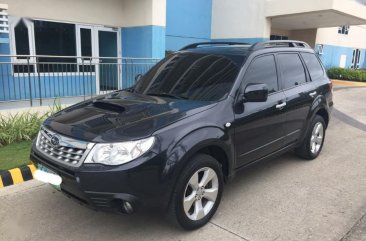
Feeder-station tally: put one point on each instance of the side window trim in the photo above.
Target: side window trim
(307, 77)
(308, 71)
(279, 86)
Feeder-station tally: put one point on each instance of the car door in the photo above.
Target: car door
(299, 91)
(259, 125)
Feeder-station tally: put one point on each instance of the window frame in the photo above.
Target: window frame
(78, 42)
(13, 21)
(343, 30)
(356, 58)
(306, 71)
(279, 84)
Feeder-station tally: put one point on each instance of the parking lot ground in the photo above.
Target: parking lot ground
(283, 199)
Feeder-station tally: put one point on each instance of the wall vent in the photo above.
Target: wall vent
(4, 22)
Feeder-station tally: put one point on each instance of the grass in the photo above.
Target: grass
(16, 135)
(14, 155)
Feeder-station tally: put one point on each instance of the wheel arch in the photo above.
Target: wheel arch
(210, 140)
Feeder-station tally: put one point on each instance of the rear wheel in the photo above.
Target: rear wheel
(198, 192)
(313, 142)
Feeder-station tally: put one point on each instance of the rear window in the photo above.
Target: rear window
(293, 72)
(314, 67)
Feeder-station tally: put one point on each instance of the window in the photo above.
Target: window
(293, 72)
(313, 64)
(263, 71)
(195, 76)
(86, 42)
(343, 30)
(356, 59)
(58, 39)
(21, 39)
(278, 37)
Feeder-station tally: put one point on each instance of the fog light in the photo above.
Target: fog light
(127, 207)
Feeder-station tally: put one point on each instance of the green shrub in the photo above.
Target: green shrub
(347, 74)
(19, 127)
(23, 126)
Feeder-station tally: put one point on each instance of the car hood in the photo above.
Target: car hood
(121, 116)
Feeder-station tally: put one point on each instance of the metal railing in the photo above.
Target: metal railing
(41, 77)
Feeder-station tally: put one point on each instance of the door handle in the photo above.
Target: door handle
(313, 94)
(280, 106)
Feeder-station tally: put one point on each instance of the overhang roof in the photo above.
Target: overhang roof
(296, 14)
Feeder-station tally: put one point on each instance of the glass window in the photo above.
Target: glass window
(86, 42)
(293, 72)
(193, 76)
(58, 39)
(278, 37)
(313, 64)
(343, 30)
(21, 39)
(263, 71)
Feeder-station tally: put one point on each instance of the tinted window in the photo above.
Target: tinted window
(263, 71)
(293, 72)
(314, 67)
(21, 39)
(58, 39)
(86, 42)
(194, 76)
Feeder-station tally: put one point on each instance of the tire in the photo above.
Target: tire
(189, 187)
(314, 140)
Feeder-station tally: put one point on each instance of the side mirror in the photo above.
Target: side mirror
(256, 93)
(138, 77)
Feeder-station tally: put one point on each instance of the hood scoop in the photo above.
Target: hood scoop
(109, 105)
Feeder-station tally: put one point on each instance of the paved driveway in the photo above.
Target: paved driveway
(283, 199)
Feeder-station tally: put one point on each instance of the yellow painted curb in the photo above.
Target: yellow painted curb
(17, 175)
(348, 83)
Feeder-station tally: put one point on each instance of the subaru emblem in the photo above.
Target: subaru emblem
(55, 140)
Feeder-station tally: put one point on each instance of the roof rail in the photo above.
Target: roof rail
(279, 43)
(195, 45)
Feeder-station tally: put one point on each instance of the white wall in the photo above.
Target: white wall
(239, 19)
(284, 7)
(116, 13)
(355, 39)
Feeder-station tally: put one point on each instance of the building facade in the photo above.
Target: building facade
(149, 28)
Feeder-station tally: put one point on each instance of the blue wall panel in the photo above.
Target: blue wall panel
(143, 42)
(187, 21)
(20, 86)
(331, 56)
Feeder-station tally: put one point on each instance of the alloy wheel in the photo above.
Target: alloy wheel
(316, 139)
(200, 193)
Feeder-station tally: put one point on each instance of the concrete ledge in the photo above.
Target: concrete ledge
(348, 83)
(16, 175)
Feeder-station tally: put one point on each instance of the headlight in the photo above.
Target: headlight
(119, 153)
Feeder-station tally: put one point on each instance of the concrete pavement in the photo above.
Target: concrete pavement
(283, 199)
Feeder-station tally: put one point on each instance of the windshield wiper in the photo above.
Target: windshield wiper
(169, 95)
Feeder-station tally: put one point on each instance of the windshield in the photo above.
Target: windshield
(192, 76)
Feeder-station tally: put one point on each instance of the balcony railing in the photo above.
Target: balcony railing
(43, 77)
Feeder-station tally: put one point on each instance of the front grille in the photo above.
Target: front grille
(62, 149)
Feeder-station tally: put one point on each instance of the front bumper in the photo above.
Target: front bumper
(107, 188)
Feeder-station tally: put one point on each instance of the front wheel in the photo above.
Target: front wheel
(314, 140)
(198, 192)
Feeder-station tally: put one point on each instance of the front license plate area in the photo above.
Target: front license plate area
(44, 174)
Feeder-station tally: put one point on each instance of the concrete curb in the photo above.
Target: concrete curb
(348, 83)
(16, 175)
